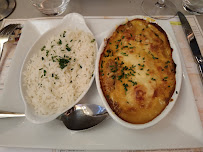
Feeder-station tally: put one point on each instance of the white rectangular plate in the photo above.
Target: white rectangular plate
(180, 129)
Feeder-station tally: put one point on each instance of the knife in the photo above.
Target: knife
(192, 42)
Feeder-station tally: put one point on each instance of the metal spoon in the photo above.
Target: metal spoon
(79, 117)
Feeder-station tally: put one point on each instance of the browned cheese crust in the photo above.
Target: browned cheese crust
(137, 72)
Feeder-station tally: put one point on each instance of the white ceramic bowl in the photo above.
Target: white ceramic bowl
(70, 21)
(176, 58)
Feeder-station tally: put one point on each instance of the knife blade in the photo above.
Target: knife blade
(192, 42)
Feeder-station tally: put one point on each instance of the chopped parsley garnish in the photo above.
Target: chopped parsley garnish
(126, 76)
(165, 78)
(153, 79)
(113, 76)
(108, 53)
(42, 49)
(68, 48)
(134, 83)
(59, 42)
(154, 57)
(47, 52)
(56, 76)
(131, 68)
(92, 40)
(63, 63)
(102, 63)
(125, 68)
(141, 65)
(125, 87)
(114, 68)
(53, 58)
(120, 76)
(166, 66)
(45, 72)
(132, 73)
(64, 33)
(123, 53)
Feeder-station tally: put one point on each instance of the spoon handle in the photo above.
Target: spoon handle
(7, 114)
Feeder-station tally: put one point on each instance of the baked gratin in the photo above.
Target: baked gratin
(137, 72)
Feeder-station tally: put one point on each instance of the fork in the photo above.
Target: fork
(4, 35)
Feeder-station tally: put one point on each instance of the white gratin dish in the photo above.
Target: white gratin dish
(176, 58)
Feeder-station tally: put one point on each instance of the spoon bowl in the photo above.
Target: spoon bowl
(83, 116)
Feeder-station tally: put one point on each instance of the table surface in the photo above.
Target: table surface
(25, 10)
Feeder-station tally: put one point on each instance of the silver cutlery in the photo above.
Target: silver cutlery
(192, 42)
(5, 34)
(80, 117)
(7, 114)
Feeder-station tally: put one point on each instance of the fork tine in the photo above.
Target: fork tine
(4, 30)
(8, 29)
(12, 28)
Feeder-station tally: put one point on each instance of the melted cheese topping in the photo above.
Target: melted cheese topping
(137, 72)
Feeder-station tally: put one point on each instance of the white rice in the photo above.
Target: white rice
(51, 88)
